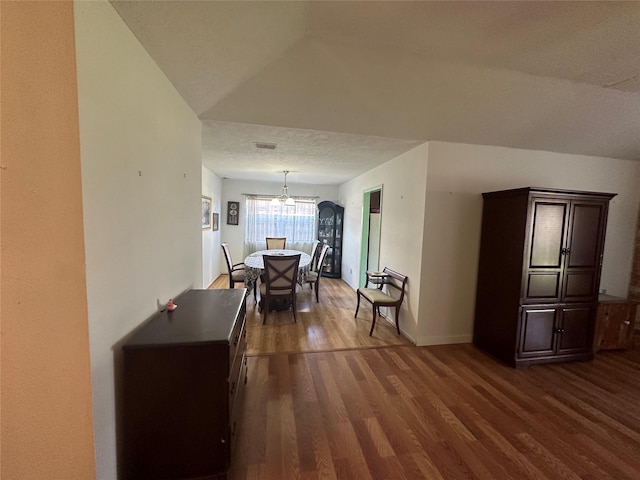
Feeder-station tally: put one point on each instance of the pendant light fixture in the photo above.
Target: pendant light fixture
(284, 199)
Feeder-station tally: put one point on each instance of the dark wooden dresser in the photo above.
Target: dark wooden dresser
(184, 373)
(615, 322)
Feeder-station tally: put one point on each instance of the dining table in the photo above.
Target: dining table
(254, 265)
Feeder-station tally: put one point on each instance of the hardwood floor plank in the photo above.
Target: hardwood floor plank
(326, 401)
(543, 457)
(325, 463)
(426, 466)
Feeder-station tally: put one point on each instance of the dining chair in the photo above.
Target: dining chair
(237, 273)
(281, 279)
(313, 277)
(276, 243)
(314, 253)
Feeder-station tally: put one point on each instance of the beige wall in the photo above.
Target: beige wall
(46, 415)
(457, 176)
(431, 218)
(634, 284)
(212, 263)
(403, 181)
(142, 180)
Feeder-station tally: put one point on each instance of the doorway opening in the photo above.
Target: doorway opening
(371, 230)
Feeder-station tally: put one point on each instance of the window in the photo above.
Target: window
(296, 223)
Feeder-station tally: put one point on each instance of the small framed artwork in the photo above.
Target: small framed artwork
(233, 213)
(206, 213)
(215, 221)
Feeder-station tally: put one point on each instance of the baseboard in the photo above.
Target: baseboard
(443, 340)
(392, 322)
(430, 340)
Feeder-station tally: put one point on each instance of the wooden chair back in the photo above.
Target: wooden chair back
(399, 284)
(323, 254)
(227, 256)
(281, 273)
(314, 254)
(276, 243)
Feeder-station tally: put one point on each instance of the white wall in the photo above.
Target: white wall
(457, 176)
(141, 179)
(403, 181)
(212, 263)
(233, 190)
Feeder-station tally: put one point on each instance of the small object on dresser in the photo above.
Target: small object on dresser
(171, 306)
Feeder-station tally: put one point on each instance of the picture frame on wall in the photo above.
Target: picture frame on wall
(215, 221)
(233, 213)
(206, 213)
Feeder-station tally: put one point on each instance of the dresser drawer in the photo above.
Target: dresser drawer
(235, 374)
(235, 338)
(235, 401)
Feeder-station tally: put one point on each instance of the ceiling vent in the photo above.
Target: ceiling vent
(267, 146)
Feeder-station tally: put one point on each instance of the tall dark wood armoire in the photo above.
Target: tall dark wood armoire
(539, 274)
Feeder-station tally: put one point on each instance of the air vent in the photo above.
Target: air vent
(268, 146)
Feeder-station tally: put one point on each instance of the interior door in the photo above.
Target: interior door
(373, 257)
(370, 239)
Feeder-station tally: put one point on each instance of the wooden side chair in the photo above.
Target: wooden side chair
(378, 298)
(313, 277)
(276, 243)
(281, 280)
(236, 271)
(314, 253)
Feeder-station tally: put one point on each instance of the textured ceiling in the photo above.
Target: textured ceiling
(343, 86)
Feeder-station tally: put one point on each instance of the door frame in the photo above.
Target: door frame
(364, 237)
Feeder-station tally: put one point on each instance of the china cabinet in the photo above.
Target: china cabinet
(539, 274)
(330, 223)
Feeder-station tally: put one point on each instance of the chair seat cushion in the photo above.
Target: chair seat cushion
(377, 296)
(312, 277)
(238, 276)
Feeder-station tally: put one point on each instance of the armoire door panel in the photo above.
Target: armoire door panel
(584, 243)
(536, 336)
(580, 286)
(576, 329)
(547, 235)
(543, 285)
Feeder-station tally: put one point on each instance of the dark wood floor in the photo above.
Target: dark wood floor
(444, 412)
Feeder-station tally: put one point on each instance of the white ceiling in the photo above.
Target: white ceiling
(343, 86)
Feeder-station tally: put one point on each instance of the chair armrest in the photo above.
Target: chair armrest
(376, 278)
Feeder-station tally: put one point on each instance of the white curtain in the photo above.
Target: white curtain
(297, 223)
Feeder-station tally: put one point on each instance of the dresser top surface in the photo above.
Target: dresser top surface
(202, 316)
(604, 298)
